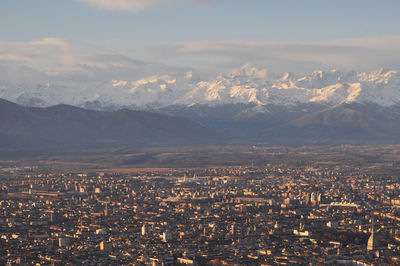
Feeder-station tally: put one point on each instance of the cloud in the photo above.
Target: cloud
(59, 59)
(351, 54)
(134, 5)
(55, 54)
(53, 42)
(47, 55)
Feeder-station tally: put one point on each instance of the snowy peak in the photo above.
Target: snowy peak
(250, 71)
(246, 85)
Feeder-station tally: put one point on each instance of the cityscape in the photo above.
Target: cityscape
(199, 132)
(246, 215)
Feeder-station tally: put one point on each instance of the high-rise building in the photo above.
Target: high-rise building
(54, 218)
(308, 198)
(314, 198)
(166, 236)
(373, 242)
(106, 210)
(63, 242)
(105, 246)
(144, 230)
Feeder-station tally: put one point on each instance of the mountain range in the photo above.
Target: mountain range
(64, 127)
(247, 85)
(247, 106)
(68, 127)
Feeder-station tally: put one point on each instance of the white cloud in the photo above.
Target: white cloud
(54, 42)
(55, 54)
(352, 54)
(134, 5)
(49, 54)
(59, 59)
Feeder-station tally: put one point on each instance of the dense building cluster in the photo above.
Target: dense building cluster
(233, 216)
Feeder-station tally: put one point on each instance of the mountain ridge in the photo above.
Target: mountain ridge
(67, 127)
(299, 124)
(246, 85)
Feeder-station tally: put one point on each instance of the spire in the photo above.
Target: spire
(373, 242)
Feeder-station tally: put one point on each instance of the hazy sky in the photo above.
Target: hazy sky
(293, 35)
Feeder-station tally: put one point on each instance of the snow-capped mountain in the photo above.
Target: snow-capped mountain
(249, 105)
(247, 85)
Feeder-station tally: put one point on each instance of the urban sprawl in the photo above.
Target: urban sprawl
(214, 216)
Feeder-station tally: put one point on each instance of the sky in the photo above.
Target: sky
(60, 36)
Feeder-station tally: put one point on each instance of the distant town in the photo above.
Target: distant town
(250, 215)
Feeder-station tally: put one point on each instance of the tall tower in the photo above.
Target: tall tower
(106, 210)
(301, 226)
(144, 231)
(166, 236)
(373, 242)
(313, 198)
(308, 198)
